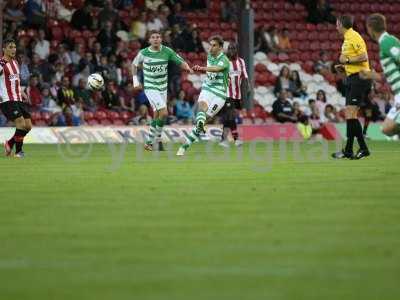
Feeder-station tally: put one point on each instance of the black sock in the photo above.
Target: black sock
(350, 130)
(360, 136)
(366, 124)
(19, 139)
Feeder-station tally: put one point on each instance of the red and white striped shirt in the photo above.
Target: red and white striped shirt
(237, 71)
(10, 83)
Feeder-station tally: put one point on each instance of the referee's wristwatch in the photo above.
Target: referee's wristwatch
(347, 60)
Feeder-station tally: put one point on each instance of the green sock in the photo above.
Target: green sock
(193, 136)
(200, 118)
(159, 128)
(152, 133)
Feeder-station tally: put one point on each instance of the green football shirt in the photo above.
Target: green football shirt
(217, 82)
(389, 53)
(155, 66)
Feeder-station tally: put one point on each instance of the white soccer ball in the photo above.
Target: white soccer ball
(95, 81)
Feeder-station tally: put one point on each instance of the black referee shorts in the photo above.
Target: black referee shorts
(15, 109)
(357, 90)
(228, 112)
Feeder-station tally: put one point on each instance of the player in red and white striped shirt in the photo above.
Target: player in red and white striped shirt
(237, 77)
(11, 99)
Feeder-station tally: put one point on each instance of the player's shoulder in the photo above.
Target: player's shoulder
(2, 61)
(168, 49)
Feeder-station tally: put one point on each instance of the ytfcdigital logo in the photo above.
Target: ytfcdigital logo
(77, 146)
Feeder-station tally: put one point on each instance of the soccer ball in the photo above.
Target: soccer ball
(95, 81)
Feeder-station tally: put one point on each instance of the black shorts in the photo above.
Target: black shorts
(228, 112)
(357, 90)
(15, 109)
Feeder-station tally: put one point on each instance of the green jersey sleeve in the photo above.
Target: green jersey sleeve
(138, 60)
(175, 57)
(224, 62)
(391, 48)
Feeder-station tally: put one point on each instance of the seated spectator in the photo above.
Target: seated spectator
(13, 12)
(34, 12)
(50, 105)
(77, 54)
(296, 86)
(64, 55)
(33, 92)
(154, 22)
(83, 95)
(24, 72)
(142, 117)
(82, 18)
(59, 72)
(103, 68)
(66, 98)
(107, 14)
(183, 109)
(314, 115)
(260, 43)
(193, 43)
(177, 17)
(323, 65)
(114, 73)
(282, 110)
(284, 41)
(139, 27)
(282, 81)
(321, 103)
(110, 97)
(331, 114)
(272, 39)
(34, 66)
(153, 4)
(83, 73)
(42, 46)
(127, 97)
(77, 114)
(178, 39)
(107, 38)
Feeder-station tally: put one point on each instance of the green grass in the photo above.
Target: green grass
(119, 224)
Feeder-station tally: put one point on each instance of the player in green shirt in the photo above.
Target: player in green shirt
(389, 54)
(213, 91)
(154, 61)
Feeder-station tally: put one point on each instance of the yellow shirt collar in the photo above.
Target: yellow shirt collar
(348, 32)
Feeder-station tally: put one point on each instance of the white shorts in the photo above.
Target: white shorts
(214, 102)
(157, 99)
(394, 112)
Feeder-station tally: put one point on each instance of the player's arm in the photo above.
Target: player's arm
(373, 75)
(186, 67)
(177, 59)
(360, 49)
(138, 61)
(213, 69)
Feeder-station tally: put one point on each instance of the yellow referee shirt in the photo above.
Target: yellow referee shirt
(354, 45)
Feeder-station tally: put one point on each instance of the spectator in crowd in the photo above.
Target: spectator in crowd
(66, 98)
(59, 72)
(83, 73)
(323, 66)
(13, 12)
(142, 117)
(178, 39)
(183, 109)
(42, 46)
(139, 27)
(83, 95)
(82, 18)
(162, 13)
(107, 38)
(154, 22)
(107, 14)
(193, 43)
(110, 98)
(153, 4)
(34, 66)
(284, 41)
(229, 11)
(283, 80)
(97, 54)
(77, 54)
(33, 92)
(177, 16)
(319, 11)
(127, 97)
(314, 115)
(282, 110)
(64, 55)
(114, 73)
(260, 43)
(35, 14)
(296, 86)
(77, 114)
(49, 105)
(24, 72)
(272, 39)
(331, 114)
(321, 103)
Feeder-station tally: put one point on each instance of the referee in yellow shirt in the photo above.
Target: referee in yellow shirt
(353, 59)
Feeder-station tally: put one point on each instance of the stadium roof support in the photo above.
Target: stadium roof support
(246, 41)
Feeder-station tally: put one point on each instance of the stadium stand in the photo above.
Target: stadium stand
(104, 36)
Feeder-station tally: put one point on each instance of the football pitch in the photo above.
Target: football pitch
(268, 221)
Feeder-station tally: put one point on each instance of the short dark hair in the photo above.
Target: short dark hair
(218, 39)
(8, 41)
(346, 21)
(154, 31)
(377, 22)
